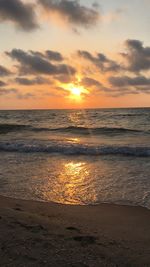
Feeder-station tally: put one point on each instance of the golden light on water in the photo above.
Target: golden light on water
(71, 178)
(70, 184)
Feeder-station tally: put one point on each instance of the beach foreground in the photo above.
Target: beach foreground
(47, 234)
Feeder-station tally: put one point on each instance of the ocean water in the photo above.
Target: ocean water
(76, 156)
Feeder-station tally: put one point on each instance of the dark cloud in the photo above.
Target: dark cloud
(130, 91)
(72, 11)
(86, 55)
(15, 92)
(36, 64)
(48, 54)
(101, 61)
(129, 81)
(90, 82)
(28, 82)
(21, 14)
(119, 92)
(4, 71)
(2, 83)
(37, 53)
(54, 56)
(137, 56)
(124, 85)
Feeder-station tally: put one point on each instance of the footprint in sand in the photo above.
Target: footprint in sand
(32, 228)
(71, 228)
(85, 240)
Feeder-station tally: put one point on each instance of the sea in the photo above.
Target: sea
(84, 157)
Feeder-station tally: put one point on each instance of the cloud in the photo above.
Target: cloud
(90, 82)
(54, 56)
(101, 61)
(2, 83)
(99, 74)
(15, 92)
(19, 13)
(129, 81)
(48, 54)
(117, 92)
(72, 11)
(4, 71)
(125, 85)
(137, 56)
(35, 81)
(36, 64)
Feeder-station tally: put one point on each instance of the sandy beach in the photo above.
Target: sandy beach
(47, 234)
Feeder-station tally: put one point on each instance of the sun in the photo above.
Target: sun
(76, 91)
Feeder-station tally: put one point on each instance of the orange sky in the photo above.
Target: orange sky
(74, 54)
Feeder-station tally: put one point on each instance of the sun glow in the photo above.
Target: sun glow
(76, 91)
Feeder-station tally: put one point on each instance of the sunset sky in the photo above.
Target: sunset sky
(74, 54)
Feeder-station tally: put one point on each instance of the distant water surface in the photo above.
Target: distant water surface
(76, 156)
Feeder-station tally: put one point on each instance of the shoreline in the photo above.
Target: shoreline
(72, 205)
(35, 233)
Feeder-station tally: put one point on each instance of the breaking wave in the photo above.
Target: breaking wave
(75, 149)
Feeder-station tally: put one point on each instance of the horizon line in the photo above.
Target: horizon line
(42, 109)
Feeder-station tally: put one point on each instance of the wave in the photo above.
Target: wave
(6, 128)
(99, 130)
(75, 149)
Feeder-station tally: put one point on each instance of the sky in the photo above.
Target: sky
(74, 54)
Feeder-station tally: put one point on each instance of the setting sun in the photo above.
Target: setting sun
(76, 91)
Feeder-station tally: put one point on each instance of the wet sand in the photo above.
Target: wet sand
(46, 234)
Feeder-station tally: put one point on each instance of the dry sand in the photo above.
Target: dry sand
(46, 234)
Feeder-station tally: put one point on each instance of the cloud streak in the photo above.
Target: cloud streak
(48, 54)
(36, 64)
(4, 71)
(35, 81)
(72, 12)
(129, 81)
(2, 83)
(90, 82)
(100, 61)
(18, 13)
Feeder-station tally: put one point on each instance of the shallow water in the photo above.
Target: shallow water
(76, 156)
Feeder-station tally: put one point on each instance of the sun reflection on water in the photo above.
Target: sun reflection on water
(70, 185)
